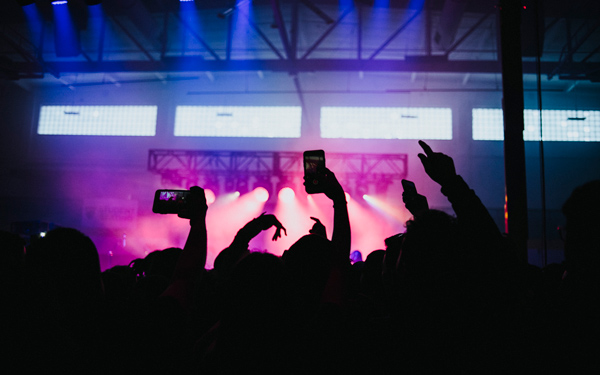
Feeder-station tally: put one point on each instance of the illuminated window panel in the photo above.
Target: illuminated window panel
(558, 125)
(386, 123)
(220, 121)
(97, 120)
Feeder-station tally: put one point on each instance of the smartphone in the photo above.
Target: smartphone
(170, 201)
(409, 187)
(314, 171)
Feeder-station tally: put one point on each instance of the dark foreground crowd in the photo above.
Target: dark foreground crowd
(447, 296)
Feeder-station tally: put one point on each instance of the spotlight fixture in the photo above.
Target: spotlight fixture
(261, 194)
(265, 183)
(285, 182)
(286, 194)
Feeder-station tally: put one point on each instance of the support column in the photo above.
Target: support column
(514, 147)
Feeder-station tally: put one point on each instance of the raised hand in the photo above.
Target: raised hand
(415, 203)
(333, 190)
(318, 228)
(267, 221)
(440, 167)
(196, 206)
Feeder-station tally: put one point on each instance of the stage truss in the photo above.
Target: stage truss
(189, 167)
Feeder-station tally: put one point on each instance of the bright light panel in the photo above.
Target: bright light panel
(219, 121)
(386, 123)
(558, 125)
(97, 120)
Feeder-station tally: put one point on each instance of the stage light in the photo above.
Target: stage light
(265, 183)
(287, 194)
(261, 194)
(356, 256)
(286, 189)
(347, 197)
(66, 34)
(210, 196)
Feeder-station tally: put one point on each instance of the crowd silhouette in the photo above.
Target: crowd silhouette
(448, 295)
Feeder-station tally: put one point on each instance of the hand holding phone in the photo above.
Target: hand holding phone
(413, 201)
(169, 201)
(187, 204)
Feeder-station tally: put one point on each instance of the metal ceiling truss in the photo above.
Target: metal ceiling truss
(288, 41)
(185, 167)
(574, 42)
(156, 56)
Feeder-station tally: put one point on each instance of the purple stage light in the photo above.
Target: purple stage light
(61, 2)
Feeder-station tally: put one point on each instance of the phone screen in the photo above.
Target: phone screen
(314, 171)
(171, 195)
(409, 187)
(312, 164)
(169, 201)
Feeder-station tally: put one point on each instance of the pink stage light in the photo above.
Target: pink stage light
(287, 194)
(261, 194)
(210, 196)
(347, 196)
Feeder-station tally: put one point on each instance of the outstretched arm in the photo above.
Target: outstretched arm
(239, 247)
(193, 258)
(334, 290)
(469, 209)
(341, 236)
(255, 226)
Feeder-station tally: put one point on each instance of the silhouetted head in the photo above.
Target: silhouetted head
(371, 280)
(257, 289)
(162, 262)
(309, 261)
(430, 239)
(430, 257)
(118, 282)
(68, 261)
